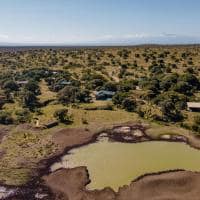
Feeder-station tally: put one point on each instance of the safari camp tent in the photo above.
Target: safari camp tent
(193, 106)
(104, 95)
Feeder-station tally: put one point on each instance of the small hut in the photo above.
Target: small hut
(104, 95)
(64, 82)
(22, 83)
(193, 106)
(51, 124)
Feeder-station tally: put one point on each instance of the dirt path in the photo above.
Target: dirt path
(46, 94)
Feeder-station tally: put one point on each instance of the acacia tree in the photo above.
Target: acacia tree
(23, 115)
(169, 111)
(63, 116)
(10, 85)
(33, 87)
(5, 117)
(29, 99)
(129, 104)
(71, 94)
(119, 97)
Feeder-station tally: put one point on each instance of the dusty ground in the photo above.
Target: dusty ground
(3, 132)
(167, 186)
(70, 184)
(181, 185)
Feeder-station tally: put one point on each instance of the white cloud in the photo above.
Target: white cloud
(95, 39)
(78, 38)
(4, 36)
(106, 37)
(136, 35)
(28, 38)
(168, 35)
(132, 36)
(109, 37)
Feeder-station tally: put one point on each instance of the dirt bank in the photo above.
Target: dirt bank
(70, 184)
(180, 185)
(67, 139)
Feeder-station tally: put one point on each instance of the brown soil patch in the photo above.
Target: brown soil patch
(70, 184)
(181, 185)
(72, 136)
(4, 130)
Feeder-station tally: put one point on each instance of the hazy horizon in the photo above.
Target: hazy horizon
(91, 22)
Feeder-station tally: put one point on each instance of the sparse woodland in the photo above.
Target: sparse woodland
(56, 88)
(154, 82)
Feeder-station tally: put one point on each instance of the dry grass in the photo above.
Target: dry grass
(157, 130)
(81, 116)
(101, 117)
(24, 149)
(46, 94)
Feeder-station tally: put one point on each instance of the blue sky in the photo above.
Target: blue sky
(89, 21)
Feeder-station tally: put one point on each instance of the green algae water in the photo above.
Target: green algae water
(116, 164)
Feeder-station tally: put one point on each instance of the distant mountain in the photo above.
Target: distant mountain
(162, 39)
(134, 40)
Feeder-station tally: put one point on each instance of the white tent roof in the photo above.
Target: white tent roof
(193, 104)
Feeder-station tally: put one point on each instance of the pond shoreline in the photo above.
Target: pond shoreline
(125, 133)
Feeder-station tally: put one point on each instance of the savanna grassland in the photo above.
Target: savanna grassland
(45, 90)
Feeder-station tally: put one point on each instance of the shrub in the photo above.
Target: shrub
(84, 121)
(197, 120)
(110, 86)
(67, 95)
(129, 104)
(10, 85)
(119, 97)
(71, 94)
(33, 87)
(196, 124)
(5, 118)
(28, 99)
(23, 115)
(169, 111)
(183, 88)
(127, 85)
(63, 116)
